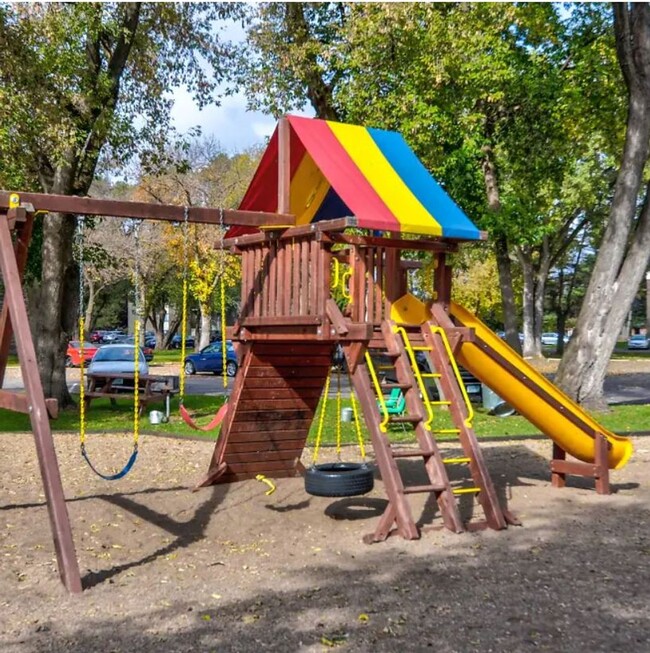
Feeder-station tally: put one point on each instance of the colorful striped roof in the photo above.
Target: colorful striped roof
(340, 170)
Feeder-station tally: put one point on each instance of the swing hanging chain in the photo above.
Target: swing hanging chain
(136, 338)
(186, 238)
(81, 333)
(222, 289)
(321, 419)
(338, 413)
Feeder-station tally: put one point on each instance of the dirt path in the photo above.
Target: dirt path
(230, 569)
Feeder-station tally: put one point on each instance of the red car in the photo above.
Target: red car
(73, 355)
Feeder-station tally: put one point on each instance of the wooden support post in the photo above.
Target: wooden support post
(598, 470)
(58, 512)
(284, 165)
(21, 249)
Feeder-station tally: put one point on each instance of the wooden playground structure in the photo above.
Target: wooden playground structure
(286, 332)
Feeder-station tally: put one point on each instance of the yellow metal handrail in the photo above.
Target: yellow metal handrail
(468, 404)
(383, 426)
(418, 376)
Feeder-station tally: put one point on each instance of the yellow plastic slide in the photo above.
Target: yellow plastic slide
(533, 395)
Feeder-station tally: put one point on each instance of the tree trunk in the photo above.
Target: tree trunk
(501, 250)
(89, 313)
(622, 259)
(57, 305)
(206, 325)
(504, 266)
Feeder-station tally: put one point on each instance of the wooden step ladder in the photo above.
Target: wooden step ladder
(419, 412)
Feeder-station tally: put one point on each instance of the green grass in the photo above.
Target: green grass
(102, 417)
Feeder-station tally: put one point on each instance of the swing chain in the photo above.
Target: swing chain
(81, 327)
(186, 237)
(222, 289)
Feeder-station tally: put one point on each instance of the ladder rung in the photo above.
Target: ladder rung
(466, 490)
(397, 419)
(422, 348)
(430, 375)
(411, 453)
(446, 431)
(392, 386)
(415, 489)
(384, 367)
(440, 403)
(456, 461)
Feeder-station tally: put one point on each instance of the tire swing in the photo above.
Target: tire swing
(338, 479)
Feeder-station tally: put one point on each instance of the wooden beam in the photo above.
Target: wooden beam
(145, 210)
(54, 496)
(19, 403)
(427, 245)
(284, 169)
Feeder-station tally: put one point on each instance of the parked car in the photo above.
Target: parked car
(175, 342)
(109, 337)
(551, 339)
(73, 354)
(117, 359)
(96, 336)
(210, 359)
(130, 340)
(638, 341)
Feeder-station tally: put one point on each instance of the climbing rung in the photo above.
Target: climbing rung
(397, 419)
(446, 431)
(411, 453)
(416, 489)
(392, 386)
(430, 375)
(466, 490)
(422, 348)
(456, 461)
(440, 403)
(384, 367)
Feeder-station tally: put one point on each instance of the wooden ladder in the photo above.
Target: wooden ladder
(410, 381)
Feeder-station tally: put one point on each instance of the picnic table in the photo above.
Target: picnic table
(114, 386)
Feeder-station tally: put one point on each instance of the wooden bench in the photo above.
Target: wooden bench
(120, 386)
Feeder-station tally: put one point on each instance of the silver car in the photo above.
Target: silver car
(638, 341)
(117, 359)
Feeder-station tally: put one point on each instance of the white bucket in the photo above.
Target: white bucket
(347, 414)
(157, 417)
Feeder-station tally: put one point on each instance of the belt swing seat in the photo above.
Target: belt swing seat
(136, 362)
(223, 410)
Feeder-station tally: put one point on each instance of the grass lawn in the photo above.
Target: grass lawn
(102, 417)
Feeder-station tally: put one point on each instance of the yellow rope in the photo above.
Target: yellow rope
(224, 355)
(181, 382)
(321, 419)
(136, 380)
(338, 413)
(357, 423)
(82, 389)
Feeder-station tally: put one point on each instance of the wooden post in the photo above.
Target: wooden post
(58, 512)
(284, 165)
(21, 249)
(598, 470)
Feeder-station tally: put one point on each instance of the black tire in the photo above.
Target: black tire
(339, 480)
(231, 368)
(189, 368)
(68, 362)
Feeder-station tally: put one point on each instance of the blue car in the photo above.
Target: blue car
(210, 359)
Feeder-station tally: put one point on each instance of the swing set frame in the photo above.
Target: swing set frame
(17, 214)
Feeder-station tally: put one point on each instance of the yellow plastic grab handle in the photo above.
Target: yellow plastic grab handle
(269, 482)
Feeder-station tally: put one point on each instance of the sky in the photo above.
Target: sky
(230, 123)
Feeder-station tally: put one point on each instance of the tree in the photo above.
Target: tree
(85, 81)
(625, 248)
(208, 177)
(491, 97)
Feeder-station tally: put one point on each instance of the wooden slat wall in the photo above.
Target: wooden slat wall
(275, 410)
